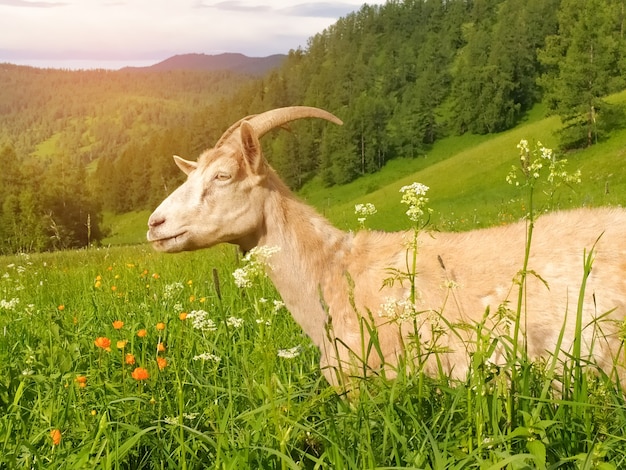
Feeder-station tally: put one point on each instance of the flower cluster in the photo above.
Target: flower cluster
(414, 195)
(397, 310)
(290, 353)
(532, 162)
(200, 320)
(255, 262)
(363, 211)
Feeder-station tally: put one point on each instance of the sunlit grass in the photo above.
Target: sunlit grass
(101, 366)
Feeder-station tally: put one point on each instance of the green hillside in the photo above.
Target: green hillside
(466, 175)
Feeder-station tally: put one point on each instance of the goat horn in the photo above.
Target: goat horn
(264, 122)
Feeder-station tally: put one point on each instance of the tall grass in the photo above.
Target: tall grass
(225, 399)
(122, 358)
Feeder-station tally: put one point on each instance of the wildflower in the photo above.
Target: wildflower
(278, 304)
(140, 374)
(98, 284)
(129, 359)
(155, 276)
(234, 322)
(256, 260)
(160, 326)
(161, 362)
(414, 195)
(364, 210)
(103, 342)
(398, 310)
(61, 308)
(289, 353)
(200, 320)
(118, 324)
(113, 288)
(55, 434)
(121, 344)
(161, 347)
(207, 357)
(94, 412)
(142, 333)
(170, 290)
(182, 316)
(81, 380)
(9, 304)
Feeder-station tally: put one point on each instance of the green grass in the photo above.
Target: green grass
(255, 409)
(252, 408)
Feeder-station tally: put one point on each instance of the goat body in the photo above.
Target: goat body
(333, 282)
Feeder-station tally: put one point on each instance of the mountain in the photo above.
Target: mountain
(256, 66)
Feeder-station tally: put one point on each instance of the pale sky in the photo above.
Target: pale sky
(113, 33)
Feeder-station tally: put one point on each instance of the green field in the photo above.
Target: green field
(119, 357)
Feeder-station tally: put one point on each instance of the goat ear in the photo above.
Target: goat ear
(251, 147)
(185, 165)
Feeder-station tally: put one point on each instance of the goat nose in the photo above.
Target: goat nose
(155, 221)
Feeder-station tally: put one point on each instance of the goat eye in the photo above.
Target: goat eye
(222, 176)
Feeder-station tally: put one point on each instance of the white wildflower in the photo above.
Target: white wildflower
(414, 195)
(234, 322)
(260, 321)
(278, 305)
(397, 310)
(170, 290)
(289, 353)
(200, 320)
(9, 304)
(255, 262)
(207, 357)
(364, 210)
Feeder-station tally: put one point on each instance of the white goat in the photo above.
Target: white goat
(333, 282)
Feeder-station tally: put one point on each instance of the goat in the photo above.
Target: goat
(333, 282)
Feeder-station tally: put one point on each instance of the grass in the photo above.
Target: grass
(124, 358)
(226, 399)
(242, 388)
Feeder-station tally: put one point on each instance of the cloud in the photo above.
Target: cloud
(29, 4)
(234, 5)
(306, 10)
(320, 9)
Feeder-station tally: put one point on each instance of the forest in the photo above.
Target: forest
(400, 75)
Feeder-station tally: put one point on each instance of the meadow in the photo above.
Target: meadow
(122, 358)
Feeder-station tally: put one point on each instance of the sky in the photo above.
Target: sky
(115, 33)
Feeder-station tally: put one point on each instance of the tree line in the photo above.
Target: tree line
(401, 75)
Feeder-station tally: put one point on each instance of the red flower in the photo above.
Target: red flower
(140, 374)
(103, 342)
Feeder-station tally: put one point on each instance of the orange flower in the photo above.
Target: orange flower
(162, 363)
(113, 288)
(155, 276)
(140, 374)
(81, 380)
(103, 342)
(129, 359)
(55, 434)
(61, 307)
(161, 347)
(118, 324)
(142, 333)
(192, 298)
(98, 284)
(182, 315)
(160, 326)
(121, 344)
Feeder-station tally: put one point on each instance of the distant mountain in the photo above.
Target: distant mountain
(229, 61)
